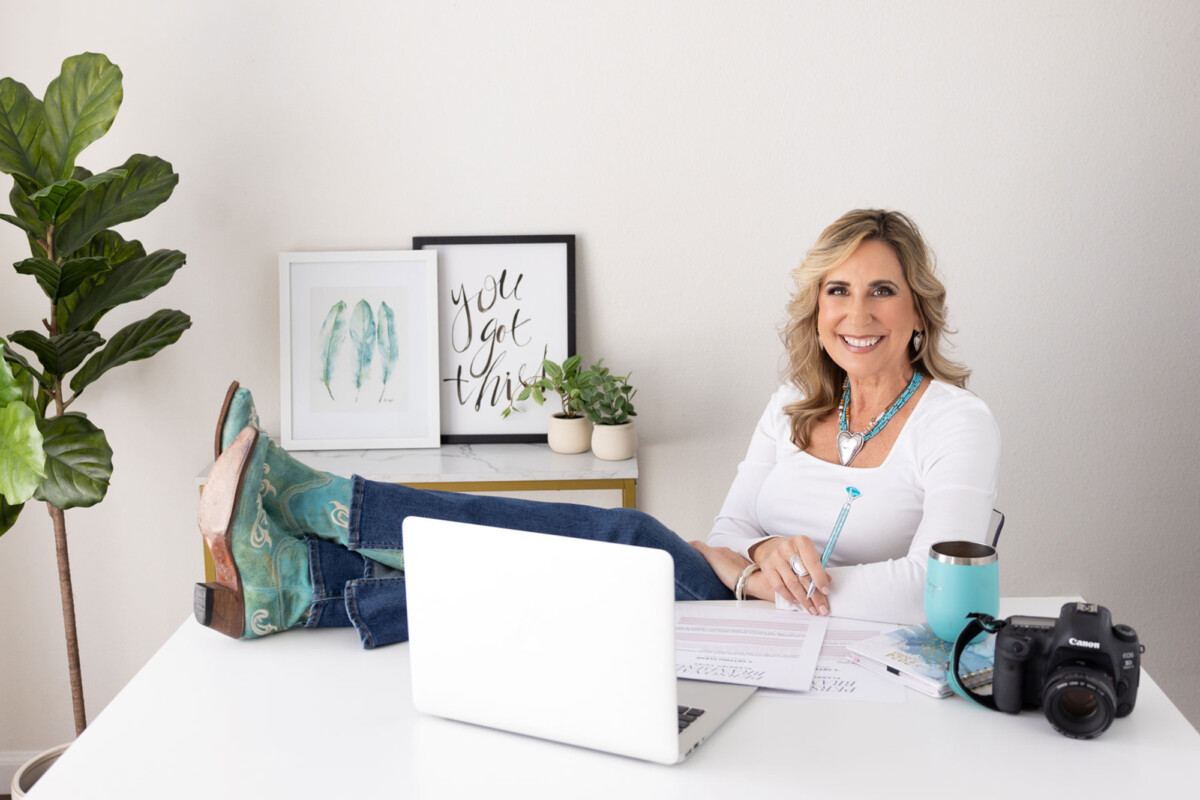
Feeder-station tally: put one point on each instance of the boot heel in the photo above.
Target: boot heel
(220, 608)
(220, 604)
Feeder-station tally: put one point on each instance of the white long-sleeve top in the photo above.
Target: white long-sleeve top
(937, 483)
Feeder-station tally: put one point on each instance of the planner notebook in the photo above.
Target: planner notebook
(919, 659)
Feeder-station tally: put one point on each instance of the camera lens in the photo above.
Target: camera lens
(1079, 702)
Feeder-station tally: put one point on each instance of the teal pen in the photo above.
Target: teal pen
(851, 495)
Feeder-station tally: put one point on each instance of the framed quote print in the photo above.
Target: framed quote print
(505, 303)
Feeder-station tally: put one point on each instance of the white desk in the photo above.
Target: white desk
(309, 714)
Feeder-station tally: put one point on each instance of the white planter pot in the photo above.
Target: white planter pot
(569, 434)
(614, 442)
(35, 768)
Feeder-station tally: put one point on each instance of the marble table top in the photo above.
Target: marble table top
(465, 463)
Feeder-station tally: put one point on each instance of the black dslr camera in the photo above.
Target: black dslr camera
(1080, 669)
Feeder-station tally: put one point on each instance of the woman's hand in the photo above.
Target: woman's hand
(775, 558)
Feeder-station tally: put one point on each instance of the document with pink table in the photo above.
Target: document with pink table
(752, 646)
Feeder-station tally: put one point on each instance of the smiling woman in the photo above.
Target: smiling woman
(865, 315)
(885, 253)
(866, 320)
(867, 389)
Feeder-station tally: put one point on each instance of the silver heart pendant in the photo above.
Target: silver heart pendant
(848, 445)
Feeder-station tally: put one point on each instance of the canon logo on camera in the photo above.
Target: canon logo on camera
(1083, 643)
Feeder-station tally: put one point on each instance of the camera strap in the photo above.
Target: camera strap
(978, 624)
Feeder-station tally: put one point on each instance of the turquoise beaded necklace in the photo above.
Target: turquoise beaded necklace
(848, 444)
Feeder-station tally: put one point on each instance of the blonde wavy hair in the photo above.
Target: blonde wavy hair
(809, 367)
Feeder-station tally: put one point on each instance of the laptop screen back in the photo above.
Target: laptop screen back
(564, 639)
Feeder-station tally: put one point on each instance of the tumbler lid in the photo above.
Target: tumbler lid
(963, 553)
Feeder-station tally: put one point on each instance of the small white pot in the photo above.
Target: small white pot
(33, 769)
(614, 442)
(569, 434)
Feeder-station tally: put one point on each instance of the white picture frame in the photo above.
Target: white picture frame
(358, 335)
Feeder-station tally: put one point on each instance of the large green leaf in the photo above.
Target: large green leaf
(21, 127)
(59, 354)
(22, 460)
(133, 343)
(8, 514)
(127, 282)
(10, 387)
(116, 251)
(56, 201)
(112, 247)
(26, 216)
(79, 107)
(27, 386)
(60, 280)
(78, 462)
(148, 183)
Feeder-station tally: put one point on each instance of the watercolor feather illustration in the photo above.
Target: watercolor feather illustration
(362, 334)
(333, 333)
(389, 349)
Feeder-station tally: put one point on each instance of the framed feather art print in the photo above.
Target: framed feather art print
(359, 350)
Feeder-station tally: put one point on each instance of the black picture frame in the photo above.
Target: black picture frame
(504, 303)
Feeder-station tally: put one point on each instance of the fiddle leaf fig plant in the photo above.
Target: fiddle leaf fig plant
(85, 269)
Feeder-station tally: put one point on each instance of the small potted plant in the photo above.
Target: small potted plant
(570, 431)
(609, 402)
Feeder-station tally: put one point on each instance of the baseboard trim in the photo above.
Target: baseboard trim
(10, 762)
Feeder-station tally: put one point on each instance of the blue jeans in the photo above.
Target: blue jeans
(351, 590)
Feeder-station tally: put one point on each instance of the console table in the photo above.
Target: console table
(308, 713)
(474, 468)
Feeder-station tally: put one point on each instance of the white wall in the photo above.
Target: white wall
(696, 150)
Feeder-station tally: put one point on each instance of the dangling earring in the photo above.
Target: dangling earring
(820, 343)
(917, 340)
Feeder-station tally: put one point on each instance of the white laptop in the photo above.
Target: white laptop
(564, 639)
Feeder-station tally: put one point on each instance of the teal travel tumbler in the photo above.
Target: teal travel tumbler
(962, 578)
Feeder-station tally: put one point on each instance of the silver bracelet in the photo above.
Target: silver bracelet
(739, 590)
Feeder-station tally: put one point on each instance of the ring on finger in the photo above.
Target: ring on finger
(798, 565)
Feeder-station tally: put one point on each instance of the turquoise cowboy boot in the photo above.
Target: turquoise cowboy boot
(263, 584)
(303, 499)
